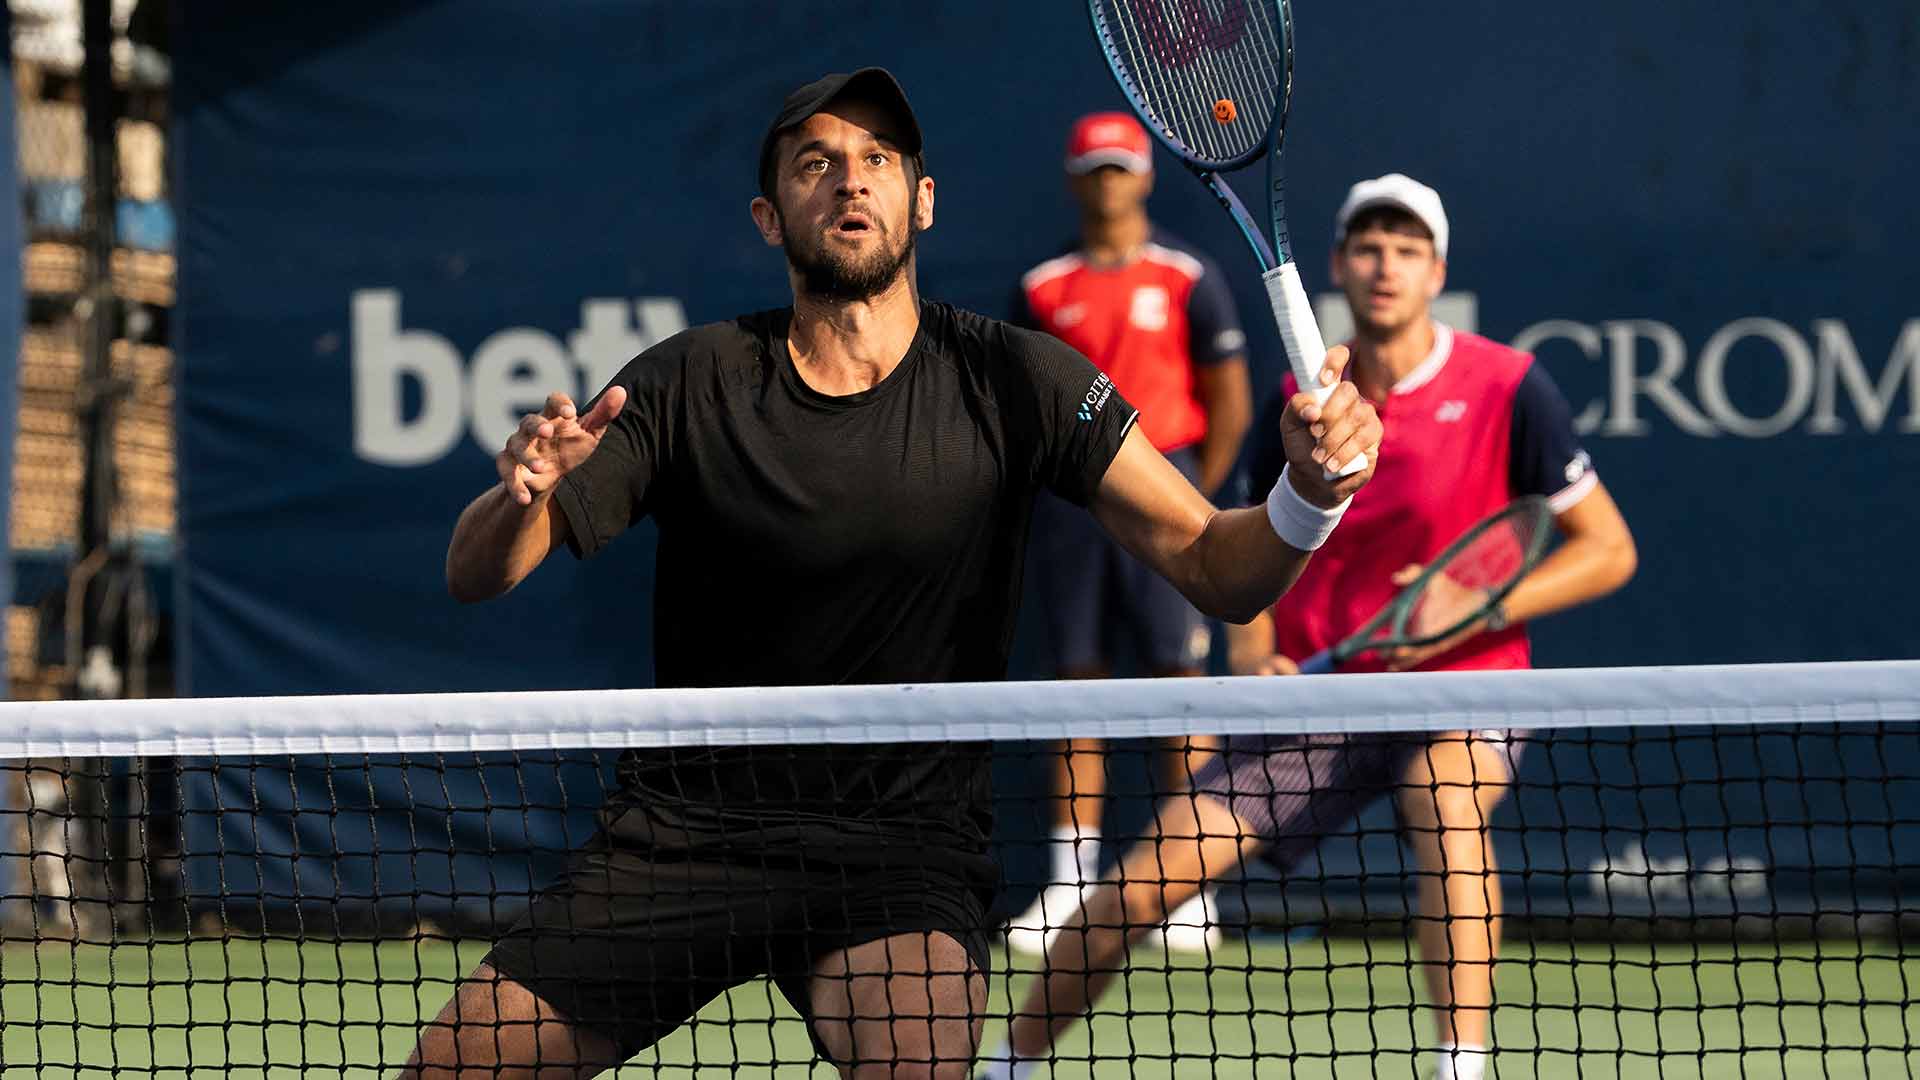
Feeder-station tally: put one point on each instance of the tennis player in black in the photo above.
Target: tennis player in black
(843, 490)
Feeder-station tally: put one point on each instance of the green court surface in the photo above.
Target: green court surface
(1263, 1007)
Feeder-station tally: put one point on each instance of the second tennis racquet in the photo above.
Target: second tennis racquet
(1461, 586)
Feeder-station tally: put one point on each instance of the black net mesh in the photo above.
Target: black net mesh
(1712, 900)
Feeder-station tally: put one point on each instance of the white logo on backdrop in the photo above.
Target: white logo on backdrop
(1828, 388)
(1650, 369)
(511, 373)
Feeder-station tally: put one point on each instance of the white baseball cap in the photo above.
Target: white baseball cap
(1399, 190)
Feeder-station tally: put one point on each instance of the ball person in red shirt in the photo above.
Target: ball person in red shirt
(1156, 316)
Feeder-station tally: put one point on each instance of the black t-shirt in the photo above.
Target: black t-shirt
(809, 539)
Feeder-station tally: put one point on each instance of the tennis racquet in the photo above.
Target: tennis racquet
(1457, 589)
(1211, 80)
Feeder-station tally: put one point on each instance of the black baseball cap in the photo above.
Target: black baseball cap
(872, 83)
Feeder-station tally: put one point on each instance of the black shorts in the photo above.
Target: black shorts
(633, 942)
(1297, 790)
(1092, 589)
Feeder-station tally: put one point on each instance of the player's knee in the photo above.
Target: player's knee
(495, 1028)
(444, 1047)
(1451, 809)
(455, 1049)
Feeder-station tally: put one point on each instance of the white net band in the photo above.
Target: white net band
(1882, 691)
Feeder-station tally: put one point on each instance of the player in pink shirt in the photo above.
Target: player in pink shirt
(1470, 426)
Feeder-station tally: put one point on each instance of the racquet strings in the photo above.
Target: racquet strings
(1483, 568)
(1182, 57)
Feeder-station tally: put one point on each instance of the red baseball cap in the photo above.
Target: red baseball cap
(1109, 138)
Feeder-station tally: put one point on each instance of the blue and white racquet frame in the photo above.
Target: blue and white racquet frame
(1212, 79)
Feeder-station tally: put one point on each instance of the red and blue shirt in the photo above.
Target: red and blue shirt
(1474, 427)
(1148, 324)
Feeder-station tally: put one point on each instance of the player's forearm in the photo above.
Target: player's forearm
(497, 543)
(1230, 564)
(1596, 557)
(1583, 569)
(1241, 566)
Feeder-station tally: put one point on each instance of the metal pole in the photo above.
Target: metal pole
(97, 669)
(96, 381)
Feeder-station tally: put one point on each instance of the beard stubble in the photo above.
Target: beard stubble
(843, 277)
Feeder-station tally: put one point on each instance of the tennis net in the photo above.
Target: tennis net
(1703, 872)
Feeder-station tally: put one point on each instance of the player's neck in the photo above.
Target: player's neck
(1114, 241)
(1381, 360)
(844, 347)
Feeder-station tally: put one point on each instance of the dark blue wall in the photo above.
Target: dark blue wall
(1644, 172)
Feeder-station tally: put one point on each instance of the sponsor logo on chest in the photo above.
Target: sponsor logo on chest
(1149, 309)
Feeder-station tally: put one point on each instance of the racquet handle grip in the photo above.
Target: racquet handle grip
(1300, 333)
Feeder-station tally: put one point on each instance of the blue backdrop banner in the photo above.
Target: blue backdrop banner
(402, 224)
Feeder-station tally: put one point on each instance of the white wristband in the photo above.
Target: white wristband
(1300, 523)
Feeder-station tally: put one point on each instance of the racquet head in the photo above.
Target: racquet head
(1464, 582)
(1209, 77)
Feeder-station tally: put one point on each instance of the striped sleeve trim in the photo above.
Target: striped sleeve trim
(1047, 271)
(1186, 264)
(1569, 497)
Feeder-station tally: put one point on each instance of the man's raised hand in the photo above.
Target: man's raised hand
(1321, 437)
(553, 442)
